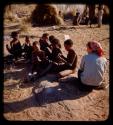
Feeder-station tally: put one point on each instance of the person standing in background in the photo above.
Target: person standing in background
(91, 14)
(100, 15)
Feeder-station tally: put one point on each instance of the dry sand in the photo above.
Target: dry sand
(66, 102)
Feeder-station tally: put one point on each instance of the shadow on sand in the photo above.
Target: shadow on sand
(43, 96)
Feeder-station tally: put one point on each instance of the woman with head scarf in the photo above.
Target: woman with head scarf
(92, 67)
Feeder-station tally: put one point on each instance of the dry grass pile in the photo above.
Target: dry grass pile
(46, 14)
(9, 16)
(18, 13)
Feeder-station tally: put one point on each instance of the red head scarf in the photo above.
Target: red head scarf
(95, 47)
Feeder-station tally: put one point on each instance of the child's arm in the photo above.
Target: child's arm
(7, 47)
(71, 58)
(11, 44)
(62, 58)
(70, 63)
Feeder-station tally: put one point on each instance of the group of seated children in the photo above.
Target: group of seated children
(46, 56)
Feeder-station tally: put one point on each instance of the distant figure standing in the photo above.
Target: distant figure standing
(77, 18)
(61, 15)
(100, 15)
(91, 14)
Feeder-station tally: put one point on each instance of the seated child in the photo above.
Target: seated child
(44, 44)
(56, 52)
(70, 62)
(47, 63)
(35, 54)
(58, 62)
(39, 60)
(92, 67)
(15, 46)
(27, 48)
(51, 39)
(64, 66)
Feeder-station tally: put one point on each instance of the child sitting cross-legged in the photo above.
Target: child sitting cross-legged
(27, 48)
(70, 62)
(39, 61)
(15, 46)
(60, 65)
(45, 44)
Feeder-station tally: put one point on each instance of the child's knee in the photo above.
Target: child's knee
(65, 73)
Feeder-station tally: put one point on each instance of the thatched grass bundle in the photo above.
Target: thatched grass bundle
(45, 14)
(18, 13)
(8, 15)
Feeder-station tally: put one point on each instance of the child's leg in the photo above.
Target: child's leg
(20, 52)
(65, 73)
(16, 54)
(34, 68)
(46, 70)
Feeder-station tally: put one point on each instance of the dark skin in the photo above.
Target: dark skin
(27, 40)
(14, 41)
(69, 61)
(67, 48)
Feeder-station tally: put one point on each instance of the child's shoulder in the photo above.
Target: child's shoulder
(72, 51)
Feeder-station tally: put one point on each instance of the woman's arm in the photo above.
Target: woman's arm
(82, 63)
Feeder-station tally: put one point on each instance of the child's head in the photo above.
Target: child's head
(68, 44)
(94, 47)
(51, 38)
(14, 35)
(27, 39)
(45, 36)
(35, 46)
(56, 43)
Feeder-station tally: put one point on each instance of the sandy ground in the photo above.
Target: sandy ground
(57, 101)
